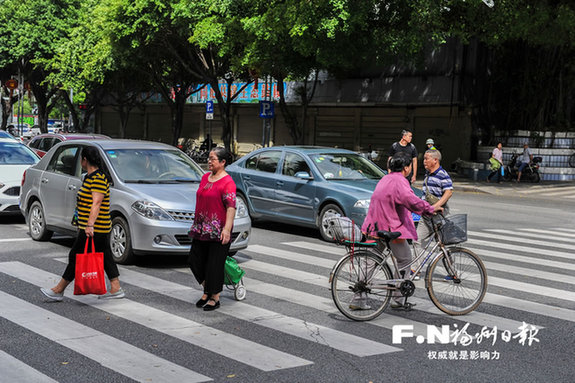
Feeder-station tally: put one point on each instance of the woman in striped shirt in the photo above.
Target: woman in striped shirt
(92, 217)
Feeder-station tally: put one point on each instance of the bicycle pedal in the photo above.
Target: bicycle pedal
(408, 306)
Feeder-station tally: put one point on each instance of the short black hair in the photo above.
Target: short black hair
(399, 161)
(92, 155)
(223, 154)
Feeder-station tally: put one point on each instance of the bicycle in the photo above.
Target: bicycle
(572, 160)
(456, 279)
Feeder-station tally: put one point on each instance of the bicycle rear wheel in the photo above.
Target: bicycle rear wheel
(458, 290)
(357, 286)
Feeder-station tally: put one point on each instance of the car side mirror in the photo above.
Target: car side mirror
(303, 176)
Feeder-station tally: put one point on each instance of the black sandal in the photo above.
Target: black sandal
(202, 302)
(208, 307)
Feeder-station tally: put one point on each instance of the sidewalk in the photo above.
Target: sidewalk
(549, 188)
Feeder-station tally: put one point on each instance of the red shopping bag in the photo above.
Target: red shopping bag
(90, 272)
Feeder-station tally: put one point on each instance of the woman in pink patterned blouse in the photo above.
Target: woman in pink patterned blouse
(212, 228)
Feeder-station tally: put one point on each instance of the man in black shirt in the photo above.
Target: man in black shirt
(405, 145)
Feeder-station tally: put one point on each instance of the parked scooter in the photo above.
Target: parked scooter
(530, 173)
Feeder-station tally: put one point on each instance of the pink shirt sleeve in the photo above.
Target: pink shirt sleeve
(229, 194)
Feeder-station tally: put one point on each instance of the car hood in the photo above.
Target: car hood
(363, 188)
(12, 173)
(168, 196)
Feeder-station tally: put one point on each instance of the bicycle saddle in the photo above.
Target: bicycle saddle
(388, 235)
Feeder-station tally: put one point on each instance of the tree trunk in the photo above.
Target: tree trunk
(124, 112)
(289, 117)
(44, 100)
(72, 111)
(177, 111)
(6, 107)
(225, 108)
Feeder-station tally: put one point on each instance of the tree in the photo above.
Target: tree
(295, 40)
(526, 76)
(7, 98)
(31, 32)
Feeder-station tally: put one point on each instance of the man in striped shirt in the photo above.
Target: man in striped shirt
(437, 190)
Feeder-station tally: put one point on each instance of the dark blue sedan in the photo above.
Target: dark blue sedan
(304, 185)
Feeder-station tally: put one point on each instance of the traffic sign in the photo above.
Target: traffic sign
(266, 109)
(11, 84)
(209, 110)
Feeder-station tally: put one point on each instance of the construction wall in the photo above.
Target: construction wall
(358, 128)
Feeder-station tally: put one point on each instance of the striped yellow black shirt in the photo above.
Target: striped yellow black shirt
(94, 182)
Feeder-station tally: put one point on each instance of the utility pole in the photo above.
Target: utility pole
(70, 121)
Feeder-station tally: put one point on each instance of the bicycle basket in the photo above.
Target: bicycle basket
(454, 229)
(343, 229)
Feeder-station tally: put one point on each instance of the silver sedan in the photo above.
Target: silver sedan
(152, 199)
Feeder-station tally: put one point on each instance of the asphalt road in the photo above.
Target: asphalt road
(287, 329)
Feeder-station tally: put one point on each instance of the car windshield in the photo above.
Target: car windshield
(14, 153)
(153, 166)
(346, 166)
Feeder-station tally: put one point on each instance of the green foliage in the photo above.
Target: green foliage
(100, 47)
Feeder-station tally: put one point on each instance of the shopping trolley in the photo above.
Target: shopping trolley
(233, 278)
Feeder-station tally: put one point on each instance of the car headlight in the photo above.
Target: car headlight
(1, 185)
(241, 208)
(362, 203)
(151, 210)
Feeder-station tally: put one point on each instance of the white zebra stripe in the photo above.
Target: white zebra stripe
(480, 319)
(550, 233)
(531, 242)
(14, 370)
(533, 251)
(282, 323)
(225, 344)
(527, 237)
(110, 352)
(491, 298)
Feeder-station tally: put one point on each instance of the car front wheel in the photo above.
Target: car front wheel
(37, 223)
(121, 241)
(329, 211)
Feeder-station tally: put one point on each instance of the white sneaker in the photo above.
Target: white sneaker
(117, 295)
(52, 295)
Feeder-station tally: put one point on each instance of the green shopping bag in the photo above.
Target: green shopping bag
(495, 165)
(233, 272)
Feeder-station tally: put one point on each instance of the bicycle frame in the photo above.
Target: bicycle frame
(383, 251)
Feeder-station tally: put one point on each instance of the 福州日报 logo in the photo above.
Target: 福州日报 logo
(442, 335)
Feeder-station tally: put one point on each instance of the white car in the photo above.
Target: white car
(7, 136)
(15, 158)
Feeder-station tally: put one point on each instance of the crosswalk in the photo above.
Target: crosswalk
(559, 192)
(526, 279)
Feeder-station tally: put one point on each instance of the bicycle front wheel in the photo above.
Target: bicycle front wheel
(359, 287)
(457, 287)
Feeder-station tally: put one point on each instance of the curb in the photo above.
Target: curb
(469, 189)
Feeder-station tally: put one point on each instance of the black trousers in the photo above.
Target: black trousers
(496, 174)
(207, 260)
(101, 244)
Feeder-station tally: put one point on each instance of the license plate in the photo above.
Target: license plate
(416, 217)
